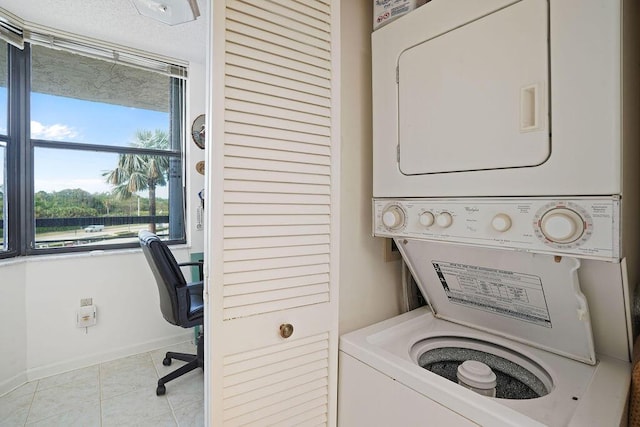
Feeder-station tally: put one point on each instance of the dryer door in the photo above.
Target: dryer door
(475, 97)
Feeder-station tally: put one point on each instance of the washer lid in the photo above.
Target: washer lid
(530, 298)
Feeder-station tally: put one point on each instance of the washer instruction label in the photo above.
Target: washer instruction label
(502, 292)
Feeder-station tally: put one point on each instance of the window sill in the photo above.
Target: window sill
(80, 255)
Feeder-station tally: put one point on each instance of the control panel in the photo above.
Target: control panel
(583, 227)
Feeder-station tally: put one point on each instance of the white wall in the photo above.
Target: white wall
(13, 326)
(128, 310)
(369, 288)
(39, 295)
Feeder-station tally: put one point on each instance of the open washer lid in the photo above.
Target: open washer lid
(531, 298)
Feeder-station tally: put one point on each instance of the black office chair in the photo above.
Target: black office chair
(181, 303)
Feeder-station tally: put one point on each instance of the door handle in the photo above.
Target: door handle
(286, 330)
(530, 108)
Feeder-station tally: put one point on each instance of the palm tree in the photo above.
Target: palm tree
(140, 172)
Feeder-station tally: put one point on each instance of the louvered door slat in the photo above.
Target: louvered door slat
(261, 220)
(275, 230)
(276, 396)
(236, 386)
(274, 122)
(275, 70)
(299, 354)
(276, 413)
(273, 369)
(282, 17)
(274, 202)
(267, 264)
(317, 377)
(318, 368)
(284, 346)
(274, 133)
(276, 112)
(274, 242)
(305, 10)
(264, 88)
(277, 144)
(272, 209)
(322, 7)
(275, 165)
(271, 176)
(286, 294)
(277, 101)
(276, 36)
(274, 306)
(276, 273)
(307, 417)
(304, 199)
(283, 156)
(291, 53)
(276, 187)
(269, 285)
(277, 81)
(312, 67)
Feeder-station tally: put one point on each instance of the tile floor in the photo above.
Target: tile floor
(117, 393)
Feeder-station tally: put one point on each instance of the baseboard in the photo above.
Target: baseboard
(93, 359)
(12, 383)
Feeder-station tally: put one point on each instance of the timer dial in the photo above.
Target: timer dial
(562, 225)
(393, 217)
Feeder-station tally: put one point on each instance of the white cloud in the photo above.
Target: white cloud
(55, 132)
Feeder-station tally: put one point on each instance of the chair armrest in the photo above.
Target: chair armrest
(186, 264)
(199, 264)
(195, 287)
(184, 300)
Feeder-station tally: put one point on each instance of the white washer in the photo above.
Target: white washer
(381, 383)
(523, 314)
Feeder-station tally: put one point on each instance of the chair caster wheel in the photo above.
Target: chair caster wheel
(166, 361)
(161, 390)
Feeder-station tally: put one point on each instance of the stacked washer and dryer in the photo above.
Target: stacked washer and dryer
(506, 169)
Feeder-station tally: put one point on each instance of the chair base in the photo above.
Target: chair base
(194, 361)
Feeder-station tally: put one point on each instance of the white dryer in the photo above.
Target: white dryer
(506, 98)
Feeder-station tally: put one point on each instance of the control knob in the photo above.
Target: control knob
(426, 219)
(501, 222)
(444, 219)
(562, 225)
(393, 217)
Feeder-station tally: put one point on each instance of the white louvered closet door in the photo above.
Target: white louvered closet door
(272, 230)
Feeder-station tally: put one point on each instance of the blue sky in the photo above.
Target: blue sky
(67, 119)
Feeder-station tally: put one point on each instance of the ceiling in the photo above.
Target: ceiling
(117, 21)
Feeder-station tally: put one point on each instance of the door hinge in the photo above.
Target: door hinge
(398, 153)
(397, 75)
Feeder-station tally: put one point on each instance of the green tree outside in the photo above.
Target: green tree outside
(135, 172)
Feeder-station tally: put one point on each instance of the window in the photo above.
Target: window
(4, 66)
(91, 148)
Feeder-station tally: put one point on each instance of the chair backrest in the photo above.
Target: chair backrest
(166, 272)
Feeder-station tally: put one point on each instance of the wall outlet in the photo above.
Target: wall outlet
(86, 301)
(86, 316)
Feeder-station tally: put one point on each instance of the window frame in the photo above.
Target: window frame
(20, 223)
